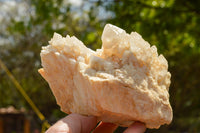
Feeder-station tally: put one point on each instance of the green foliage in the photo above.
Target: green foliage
(22, 54)
(171, 25)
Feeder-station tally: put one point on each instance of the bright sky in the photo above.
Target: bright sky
(20, 10)
(75, 2)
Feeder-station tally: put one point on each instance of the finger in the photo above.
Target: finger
(136, 127)
(81, 124)
(74, 123)
(105, 128)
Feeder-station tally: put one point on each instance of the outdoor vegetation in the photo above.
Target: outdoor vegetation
(172, 25)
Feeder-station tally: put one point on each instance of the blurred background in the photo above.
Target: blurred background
(27, 25)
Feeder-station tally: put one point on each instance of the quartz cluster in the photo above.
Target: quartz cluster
(124, 81)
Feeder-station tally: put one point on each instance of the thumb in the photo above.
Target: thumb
(136, 127)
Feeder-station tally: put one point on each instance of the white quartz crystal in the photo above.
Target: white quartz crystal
(124, 81)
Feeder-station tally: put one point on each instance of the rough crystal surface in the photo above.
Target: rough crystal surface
(124, 81)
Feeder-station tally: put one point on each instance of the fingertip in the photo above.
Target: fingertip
(84, 123)
(74, 123)
(88, 123)
(104, 127)
(136, 127)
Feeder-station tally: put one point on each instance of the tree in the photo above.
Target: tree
(28, 33)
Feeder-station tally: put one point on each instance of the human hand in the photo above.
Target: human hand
(75, 123)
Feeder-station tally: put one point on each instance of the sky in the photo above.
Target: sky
(10, 9)
(75, 2)
(20, 10)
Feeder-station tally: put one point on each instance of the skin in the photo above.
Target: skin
(75, 123)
